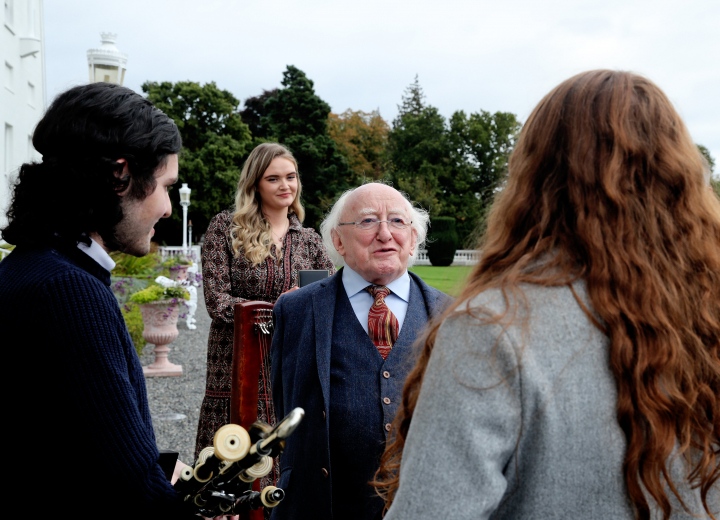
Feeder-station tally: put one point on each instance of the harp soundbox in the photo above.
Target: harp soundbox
(250, 395)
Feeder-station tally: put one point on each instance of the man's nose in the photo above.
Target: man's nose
(383, 232)
(168, 206)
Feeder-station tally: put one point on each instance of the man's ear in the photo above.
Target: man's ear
(123, 177)
(337, 242)
(413, 244)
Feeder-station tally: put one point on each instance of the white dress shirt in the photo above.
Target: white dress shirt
(361, 300)
(97, 253)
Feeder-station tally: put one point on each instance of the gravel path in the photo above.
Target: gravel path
(170, 396)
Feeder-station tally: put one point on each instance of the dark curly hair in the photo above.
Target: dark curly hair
(74, 190)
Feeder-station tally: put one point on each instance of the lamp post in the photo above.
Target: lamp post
(107, 64)
(185, 202)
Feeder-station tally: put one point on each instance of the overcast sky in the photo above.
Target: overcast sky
(474, 55)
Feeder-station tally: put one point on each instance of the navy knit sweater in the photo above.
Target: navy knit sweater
(78, 403)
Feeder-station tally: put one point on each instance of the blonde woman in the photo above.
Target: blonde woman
(253, 253)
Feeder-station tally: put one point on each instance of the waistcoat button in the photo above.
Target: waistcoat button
(324, 472)
(387, 427)
(386, 374)
(386, 400)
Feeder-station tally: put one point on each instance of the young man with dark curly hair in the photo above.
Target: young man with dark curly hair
(81, 413)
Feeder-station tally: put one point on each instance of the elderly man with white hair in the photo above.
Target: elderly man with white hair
(342, 350)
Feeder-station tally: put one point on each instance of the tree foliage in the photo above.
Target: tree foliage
(714, 182)
(481, 144)
(413, 102)
(418, 149)
(215, 144)
(452, 168)
(709, 158)
(361, 137)
(298, 118)
(255, 113)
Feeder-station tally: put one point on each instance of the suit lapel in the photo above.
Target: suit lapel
(323, 302)
(432, 304)
(416, 316)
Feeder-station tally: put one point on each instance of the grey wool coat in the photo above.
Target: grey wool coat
(521, 424)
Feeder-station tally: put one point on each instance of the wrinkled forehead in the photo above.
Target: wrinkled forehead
(381, 202)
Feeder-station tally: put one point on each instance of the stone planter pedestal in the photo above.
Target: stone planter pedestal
(160, 320)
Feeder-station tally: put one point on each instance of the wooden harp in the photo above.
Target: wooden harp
(250, 394)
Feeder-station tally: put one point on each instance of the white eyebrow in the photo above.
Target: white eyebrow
(371, 211)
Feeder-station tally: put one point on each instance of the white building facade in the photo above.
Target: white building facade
(22, 94)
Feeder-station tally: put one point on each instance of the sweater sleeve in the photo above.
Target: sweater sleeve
(103, 379)
(465, 425)
(216, 261)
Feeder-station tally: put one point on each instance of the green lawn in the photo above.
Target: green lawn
(446, 279)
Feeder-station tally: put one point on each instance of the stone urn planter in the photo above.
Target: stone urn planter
(179, 272)
(160, 320)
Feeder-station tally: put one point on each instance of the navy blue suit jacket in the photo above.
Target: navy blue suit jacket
(300, 356)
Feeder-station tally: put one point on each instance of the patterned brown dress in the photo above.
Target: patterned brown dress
(228, 280)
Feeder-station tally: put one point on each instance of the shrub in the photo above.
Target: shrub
(443, 241)
(135, 326)
(175, 261)
(156, 292)
(124, 287)
(128, 265)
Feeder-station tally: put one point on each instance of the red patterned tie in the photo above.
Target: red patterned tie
(382, 324)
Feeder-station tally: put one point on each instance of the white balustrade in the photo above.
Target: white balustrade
(170, 251)
(462, 257)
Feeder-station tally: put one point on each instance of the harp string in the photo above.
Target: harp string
(266, 409)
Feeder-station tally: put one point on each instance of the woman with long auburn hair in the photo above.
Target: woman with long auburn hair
(578, 373)
(252, 252)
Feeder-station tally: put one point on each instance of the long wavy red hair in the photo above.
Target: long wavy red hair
(606, 181)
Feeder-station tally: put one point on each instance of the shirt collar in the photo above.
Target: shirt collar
(97, 253)
(354, 283)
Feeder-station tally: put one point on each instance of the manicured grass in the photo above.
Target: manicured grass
(449, 280)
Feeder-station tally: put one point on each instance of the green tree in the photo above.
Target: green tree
(481, 144)
(255, 112)
(215, 144)
(709, 158)
(298, 118)
(714, 182)
(418, 149)
(453, 168)
(361, 137)
(413, 102)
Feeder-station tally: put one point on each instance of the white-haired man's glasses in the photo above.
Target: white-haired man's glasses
(372, 223)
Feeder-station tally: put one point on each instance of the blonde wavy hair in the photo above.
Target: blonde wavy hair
(250, 231)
